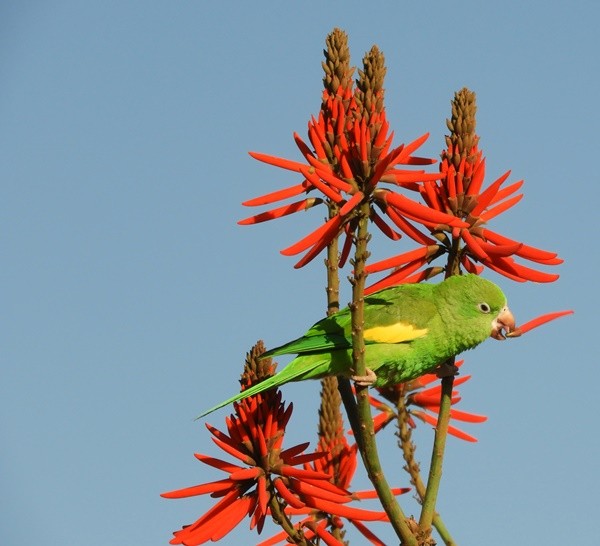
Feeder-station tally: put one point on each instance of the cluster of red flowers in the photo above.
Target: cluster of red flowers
(268, 480)
(351, 157)
(418, 393)
(459, 193)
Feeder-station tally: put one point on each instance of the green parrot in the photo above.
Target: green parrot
(409, 330)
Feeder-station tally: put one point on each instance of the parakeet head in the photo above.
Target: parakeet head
(480, 302)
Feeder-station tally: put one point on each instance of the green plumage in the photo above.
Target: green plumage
(409, 330)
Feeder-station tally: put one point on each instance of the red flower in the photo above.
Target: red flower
(428, 399)
(338, 459)
(538, 321)
(460, 193)
(264, 473)
(350, 153)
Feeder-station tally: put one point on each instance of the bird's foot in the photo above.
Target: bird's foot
(446, 370)
(366, 380)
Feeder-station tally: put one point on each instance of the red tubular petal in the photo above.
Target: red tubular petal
(231, 450)
(473, 245)
(373, 539)
(305, 458)
(364, 157)
(502, 207)
(316, 139)
(396, 277)
(278, 195)
(217, 463)
(500, 250)
(200, 531)
(326, 536)
(527, 252)
(431, 197)
(343, 510)
(411, 147)
(426, 417)
(294, 450)
(220, 435)
(305, 488)
(505, 192)
(423, 275)
(313, 237)
(387, 145)
(251, 473)
(451, 182)
(385, 229)
(287, 495)
(263, 494)
(477, 178)
(345, 168)
(461, 435)
(316, 181)
(508, 264)
(381, 134)
(409, 179)
(316, 249)
(323, 170)
(460, 189)
(233, 516)
(408, 228)
(278, 161)
(202, 489)
(488, 194)
(372, 494)
(413, 209)
(292, 471)
(304, 149)
(470, 266)
(438, 388)
(398, 260)
(467, 417)
(324, 484)
(505, 270)
(542, 319)
(349, 206)
(219, 523)
(280, 211)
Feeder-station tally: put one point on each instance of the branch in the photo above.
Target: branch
(437, 454)
(413, 468)
(365, 430)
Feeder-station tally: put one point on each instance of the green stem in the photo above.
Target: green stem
(437, 454)
(366, 432)
(296, 536)
(412, 467)
(333, 275)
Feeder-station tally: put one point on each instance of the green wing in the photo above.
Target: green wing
(394, 315)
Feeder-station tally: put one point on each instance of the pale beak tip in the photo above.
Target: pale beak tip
(503, 325)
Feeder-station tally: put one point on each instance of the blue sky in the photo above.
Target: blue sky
(130, 295)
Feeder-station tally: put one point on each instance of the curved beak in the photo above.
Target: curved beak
(503, 324)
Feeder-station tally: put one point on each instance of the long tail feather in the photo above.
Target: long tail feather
(301, 368)
(265, 385)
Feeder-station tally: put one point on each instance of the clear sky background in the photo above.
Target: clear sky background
(130, 295)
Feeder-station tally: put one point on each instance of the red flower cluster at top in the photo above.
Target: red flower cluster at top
(459, 192)
(352, 155)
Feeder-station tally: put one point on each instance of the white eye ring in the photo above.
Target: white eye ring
(484, 307)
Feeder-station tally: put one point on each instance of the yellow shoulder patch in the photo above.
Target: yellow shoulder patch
(394, 333)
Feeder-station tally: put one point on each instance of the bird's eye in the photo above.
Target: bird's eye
(484, 307)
